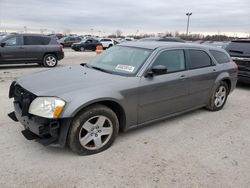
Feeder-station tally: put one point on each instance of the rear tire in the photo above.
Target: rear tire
(93, 130)
(50, 60)
(219, 97)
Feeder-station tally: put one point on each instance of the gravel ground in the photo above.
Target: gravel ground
(198, 149)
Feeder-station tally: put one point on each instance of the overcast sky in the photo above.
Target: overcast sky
(223, 16)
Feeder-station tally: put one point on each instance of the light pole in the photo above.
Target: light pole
(25, 29)
(188, 15)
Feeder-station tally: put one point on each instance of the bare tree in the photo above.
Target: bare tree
(118, 33)
(67, 31)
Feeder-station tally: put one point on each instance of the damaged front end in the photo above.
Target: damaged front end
(44, 130)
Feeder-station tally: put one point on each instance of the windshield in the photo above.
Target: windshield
(83, 40)
(121, 60)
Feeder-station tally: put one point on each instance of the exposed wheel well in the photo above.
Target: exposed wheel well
(228, 82)
(120, 113)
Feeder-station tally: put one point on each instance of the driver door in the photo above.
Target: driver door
(13, 50)
(162, 95)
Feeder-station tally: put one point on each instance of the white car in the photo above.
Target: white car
(107, 43)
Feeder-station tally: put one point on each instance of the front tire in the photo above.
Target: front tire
(93, 130)
(50, 60)
(82, 49)
(219, 97)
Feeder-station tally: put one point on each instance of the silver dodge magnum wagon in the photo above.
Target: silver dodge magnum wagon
(129, 85)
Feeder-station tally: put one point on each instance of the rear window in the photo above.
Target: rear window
(36, 40)
(105, 40)
(199, 59)
(220, 57)
(239, 47)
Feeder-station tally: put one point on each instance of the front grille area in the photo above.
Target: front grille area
(22, 97)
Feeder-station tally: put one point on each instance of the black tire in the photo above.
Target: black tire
(77, 131)
(50, 60)
(110, 45)
(213, 105)
(82, 49)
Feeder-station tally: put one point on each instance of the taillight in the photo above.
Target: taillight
(61, 47)
(237, 66)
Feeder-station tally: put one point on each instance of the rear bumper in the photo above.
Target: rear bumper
(244, 79)
(43, 130)
(60, 55)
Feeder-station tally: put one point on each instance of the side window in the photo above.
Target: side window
(199, 59)
(34, 40)
(46, 40)
(220, 57)
(174, 60)
(14, 41)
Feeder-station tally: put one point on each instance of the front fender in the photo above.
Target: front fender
(74, 106)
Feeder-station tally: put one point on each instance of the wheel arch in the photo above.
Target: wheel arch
(228, 82)
(113, 105)
(224, 77)
(53, 53)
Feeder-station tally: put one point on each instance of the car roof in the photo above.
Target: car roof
(241, 40)
(159, 44)
(166, 39)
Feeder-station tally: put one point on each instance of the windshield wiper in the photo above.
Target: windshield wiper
(84, 65)
(96, 68)
(100, 69)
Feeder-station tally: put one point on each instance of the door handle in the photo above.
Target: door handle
(182, 77)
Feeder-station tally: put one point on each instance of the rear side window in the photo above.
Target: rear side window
(199, 59)
(105, 40)
(36, 40)
(174, 60)
(220, 57)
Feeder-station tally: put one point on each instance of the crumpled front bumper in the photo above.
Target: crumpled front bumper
(43, 130)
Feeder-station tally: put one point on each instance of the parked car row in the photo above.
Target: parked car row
(45, 50)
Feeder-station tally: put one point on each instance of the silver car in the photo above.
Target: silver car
(129, 85)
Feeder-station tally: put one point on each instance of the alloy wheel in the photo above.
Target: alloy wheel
(51, 61)
(220, 96)
(96, 132)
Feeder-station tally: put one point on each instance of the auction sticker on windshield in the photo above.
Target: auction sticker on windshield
(127, 68)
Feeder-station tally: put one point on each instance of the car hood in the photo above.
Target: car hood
(64, 80)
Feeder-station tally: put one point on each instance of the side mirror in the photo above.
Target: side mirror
(157, 70)
(3, 44)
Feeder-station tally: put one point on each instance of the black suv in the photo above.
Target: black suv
(30, 48)
(68, 41)
(239, 50)
(86, 44)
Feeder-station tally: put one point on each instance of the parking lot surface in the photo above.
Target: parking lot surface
(198, 149)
